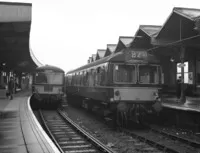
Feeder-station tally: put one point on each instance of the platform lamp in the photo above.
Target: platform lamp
(172, 59)
(4, 72)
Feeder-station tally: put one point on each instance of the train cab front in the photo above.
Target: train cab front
(137, 89)
(137, 103)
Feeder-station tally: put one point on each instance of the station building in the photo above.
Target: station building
(17, 59)
(176, 44)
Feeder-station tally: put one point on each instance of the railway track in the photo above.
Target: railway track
(68, 136)
(191, 140)
(165, 142)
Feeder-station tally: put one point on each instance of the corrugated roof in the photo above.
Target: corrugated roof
(101, 52)
(111, 47)
(150, 30)
(126, 40)
(189, 13)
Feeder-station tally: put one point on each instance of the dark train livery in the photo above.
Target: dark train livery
(126, 83)
(48, 86)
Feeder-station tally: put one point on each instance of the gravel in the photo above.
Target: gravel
(118, 141)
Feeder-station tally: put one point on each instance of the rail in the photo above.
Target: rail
(162, 141)
(68, 136)
(86, 134)
(49, 132)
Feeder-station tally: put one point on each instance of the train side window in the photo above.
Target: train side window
(69, 78)
(81, 78)
(72, 82)
(78, 78)
(84, 78)
(87, 78)
(74, 79)
(94, 75)
(91, 77)
(103, 75)
(98, 76)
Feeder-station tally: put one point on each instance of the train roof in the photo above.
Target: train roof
(110, 58)
(49, 67)
(122, 56)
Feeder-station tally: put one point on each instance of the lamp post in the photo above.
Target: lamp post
(182, 56)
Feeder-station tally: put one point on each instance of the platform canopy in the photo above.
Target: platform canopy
(15, 24)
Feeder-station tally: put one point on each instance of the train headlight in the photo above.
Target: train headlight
(117, 93)
(111, 99)
(155, 94)
(159, 99)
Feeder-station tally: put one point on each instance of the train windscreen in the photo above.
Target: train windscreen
(149, 74)
(124, 73)
(49, 78)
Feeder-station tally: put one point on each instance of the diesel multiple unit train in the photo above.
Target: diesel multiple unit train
(125, 85)
(48, 86)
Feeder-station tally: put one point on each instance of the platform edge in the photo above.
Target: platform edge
(46, 137)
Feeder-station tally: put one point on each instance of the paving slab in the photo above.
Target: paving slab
(19, 130)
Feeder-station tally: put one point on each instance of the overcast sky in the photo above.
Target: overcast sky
(65, 33)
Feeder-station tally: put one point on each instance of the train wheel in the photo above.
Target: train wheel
(134, 113)
(122, 114)
(122, 119)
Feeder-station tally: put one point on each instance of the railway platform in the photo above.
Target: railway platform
(19, 130)
(191, 103)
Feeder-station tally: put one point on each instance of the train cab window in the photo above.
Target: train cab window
(50, 78)
(148, 74)
(124, 73)
(55, 78)
(40, 78)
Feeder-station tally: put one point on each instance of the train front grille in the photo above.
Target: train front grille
(48, 88)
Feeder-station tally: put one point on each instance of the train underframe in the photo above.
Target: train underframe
(46, 101)
(122, 113)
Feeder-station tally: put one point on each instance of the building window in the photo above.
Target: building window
(186, 68)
